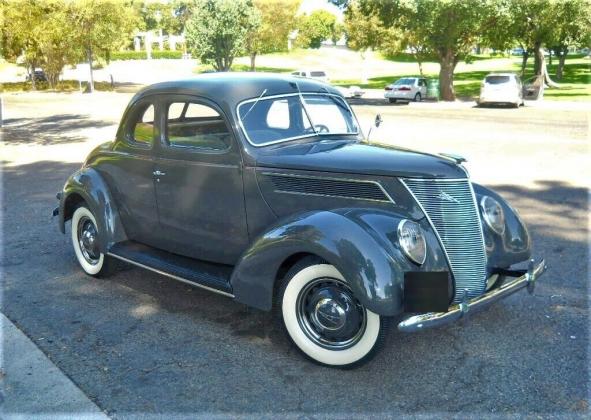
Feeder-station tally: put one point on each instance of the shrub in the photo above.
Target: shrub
(62, 86)
(142, 55)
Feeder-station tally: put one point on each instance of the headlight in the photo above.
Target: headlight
(412, 241)
(493, 214)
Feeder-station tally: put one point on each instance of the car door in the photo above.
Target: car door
(198, 176)
(129, 172)
(423, 88)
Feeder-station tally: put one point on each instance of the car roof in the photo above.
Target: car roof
(500, 74)
(235, 87)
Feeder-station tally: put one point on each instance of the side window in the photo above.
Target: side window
(190, 124)
(143, 127)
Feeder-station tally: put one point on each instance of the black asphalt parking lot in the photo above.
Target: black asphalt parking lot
(139, 343)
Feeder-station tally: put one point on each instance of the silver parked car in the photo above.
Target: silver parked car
(406, 89)
(501, 88)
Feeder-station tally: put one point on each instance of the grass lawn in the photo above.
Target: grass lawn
(575, 84)
(345, 67)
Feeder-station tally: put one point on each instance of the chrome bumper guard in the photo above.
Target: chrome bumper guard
(436, 319)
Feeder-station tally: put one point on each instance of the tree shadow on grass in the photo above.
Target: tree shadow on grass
(56, 129)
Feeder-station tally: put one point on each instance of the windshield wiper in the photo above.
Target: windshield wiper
(253, 105)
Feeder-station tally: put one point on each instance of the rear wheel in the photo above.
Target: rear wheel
(325, 320)
(85, 240)
(417, 97)
(392, 100)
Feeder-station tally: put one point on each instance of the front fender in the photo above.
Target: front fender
(350, 239)
(514, 245)
(87, 184)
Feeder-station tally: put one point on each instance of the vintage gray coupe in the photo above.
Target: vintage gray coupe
(263, 188)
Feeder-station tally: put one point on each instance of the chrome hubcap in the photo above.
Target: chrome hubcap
(87, 239)
(330, 315)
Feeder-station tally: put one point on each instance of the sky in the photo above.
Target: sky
(309, 6)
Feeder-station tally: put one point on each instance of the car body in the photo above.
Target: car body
(312, 74)
(262, 188)
(351, 91)
(501, 88)
(406, 89)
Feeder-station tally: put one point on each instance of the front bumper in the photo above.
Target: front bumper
(436, 319)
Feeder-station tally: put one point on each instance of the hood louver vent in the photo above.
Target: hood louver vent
(358, 190)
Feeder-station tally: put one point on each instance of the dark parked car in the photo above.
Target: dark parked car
(39, 76)
(262, 188)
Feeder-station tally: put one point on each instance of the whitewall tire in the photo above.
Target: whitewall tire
(325, 320)
(85, 242)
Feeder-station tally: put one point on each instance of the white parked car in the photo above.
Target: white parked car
(351, 91)
(312, 74)
(406, 89)
(501, 88)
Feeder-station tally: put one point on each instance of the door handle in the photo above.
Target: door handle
(158, 173)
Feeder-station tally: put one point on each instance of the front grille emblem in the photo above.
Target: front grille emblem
(446, 197)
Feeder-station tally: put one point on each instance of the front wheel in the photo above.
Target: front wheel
(392, 100)
(325, 320)
(85, 236)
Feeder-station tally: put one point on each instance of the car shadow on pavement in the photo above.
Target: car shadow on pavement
(138, 341)
(56, 129)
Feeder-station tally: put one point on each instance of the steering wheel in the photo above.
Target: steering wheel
(319, 128)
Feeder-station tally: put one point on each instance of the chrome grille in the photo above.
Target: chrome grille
(451, 209)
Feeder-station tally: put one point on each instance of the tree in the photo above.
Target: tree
(165, 16)
(364, 33)
(337, 32)
(57, 40)
(315, 28)
(22, 20)
(217, 30)
(572, 27)
(269, 36)
(101, 27)
(446, 29)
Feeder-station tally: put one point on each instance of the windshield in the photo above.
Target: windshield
(405, 81)
(280, 118)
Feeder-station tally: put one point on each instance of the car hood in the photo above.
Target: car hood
(358, 158)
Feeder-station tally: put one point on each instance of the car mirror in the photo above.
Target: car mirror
(378, 120)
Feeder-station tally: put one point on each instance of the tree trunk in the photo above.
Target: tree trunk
(561, 60)
(32, 73)
(446, 76)
(253, 57)
(524, 59)
(363, 54)
(91, 79)
(541, 69)
(420, 63)
(538, 59)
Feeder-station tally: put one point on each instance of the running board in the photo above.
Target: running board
(209, 276)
